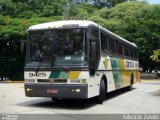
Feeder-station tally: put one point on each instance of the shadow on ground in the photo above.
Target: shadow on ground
(72, 104)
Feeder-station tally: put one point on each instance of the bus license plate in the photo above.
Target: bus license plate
(52, 91)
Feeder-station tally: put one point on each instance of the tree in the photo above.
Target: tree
(114, 2)
(78, 11)
(156, 56)
(137, 22)
(103, 3)
(29, 8)
(12, 31)
(15, 18)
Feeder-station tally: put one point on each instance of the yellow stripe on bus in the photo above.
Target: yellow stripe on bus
(122, 65)
(74, 74)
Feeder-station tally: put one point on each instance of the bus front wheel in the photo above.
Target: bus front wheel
(102, 93)
(55, 99)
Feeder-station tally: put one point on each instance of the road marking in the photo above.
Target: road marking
(19, 87)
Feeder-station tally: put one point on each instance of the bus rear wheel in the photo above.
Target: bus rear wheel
(131, 83)
(102, 93)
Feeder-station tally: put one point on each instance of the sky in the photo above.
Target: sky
(154, 1)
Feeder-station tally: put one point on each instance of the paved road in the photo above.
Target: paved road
(145, 98)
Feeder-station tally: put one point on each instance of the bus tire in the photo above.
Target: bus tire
(55, 99)
(102, 93)
(130, 88)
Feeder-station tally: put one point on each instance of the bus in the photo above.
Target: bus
(77, 59)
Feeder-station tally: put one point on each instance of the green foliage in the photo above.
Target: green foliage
(26, 14)
(115, 2)
(30, 8)
(12, 31)
(156, 56)
(137, 22)
(78, 11)
(10, 25)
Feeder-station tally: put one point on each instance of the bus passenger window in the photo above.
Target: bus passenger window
(120, 49)
(117, 47)
(110, 48)
(113, 46)
(94, 33)
(132, 52)
(136, 53)
(104, 42)
(127, 51)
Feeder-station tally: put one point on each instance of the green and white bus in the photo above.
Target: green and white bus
(77, 59)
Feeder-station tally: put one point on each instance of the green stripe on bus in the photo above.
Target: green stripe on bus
(63, 75)
(117, 75)
(54, 74)
(115, 63)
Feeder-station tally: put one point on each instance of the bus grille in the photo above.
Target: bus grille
(52, 80)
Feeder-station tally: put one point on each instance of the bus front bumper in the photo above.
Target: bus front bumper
(73, 91)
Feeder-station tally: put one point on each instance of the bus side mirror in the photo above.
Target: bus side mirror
(92, 65)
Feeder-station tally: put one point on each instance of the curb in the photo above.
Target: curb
(12, 81)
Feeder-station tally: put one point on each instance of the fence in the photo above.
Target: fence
(149, 75)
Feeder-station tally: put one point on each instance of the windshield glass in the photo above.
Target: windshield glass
(59, 47)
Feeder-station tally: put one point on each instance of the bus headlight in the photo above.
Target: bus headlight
(78, 81)
(29, 80)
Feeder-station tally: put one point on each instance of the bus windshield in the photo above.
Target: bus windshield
(59, 47)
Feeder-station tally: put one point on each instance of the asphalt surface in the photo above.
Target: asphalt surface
(143, 99)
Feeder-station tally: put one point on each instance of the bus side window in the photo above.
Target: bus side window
(94, 33)
(117, 47)
(132, 52)
(110, 49)
(129, 51)
(104, 42)
(112, 45)
(136, 53)
(124, 50)
(120, 48)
